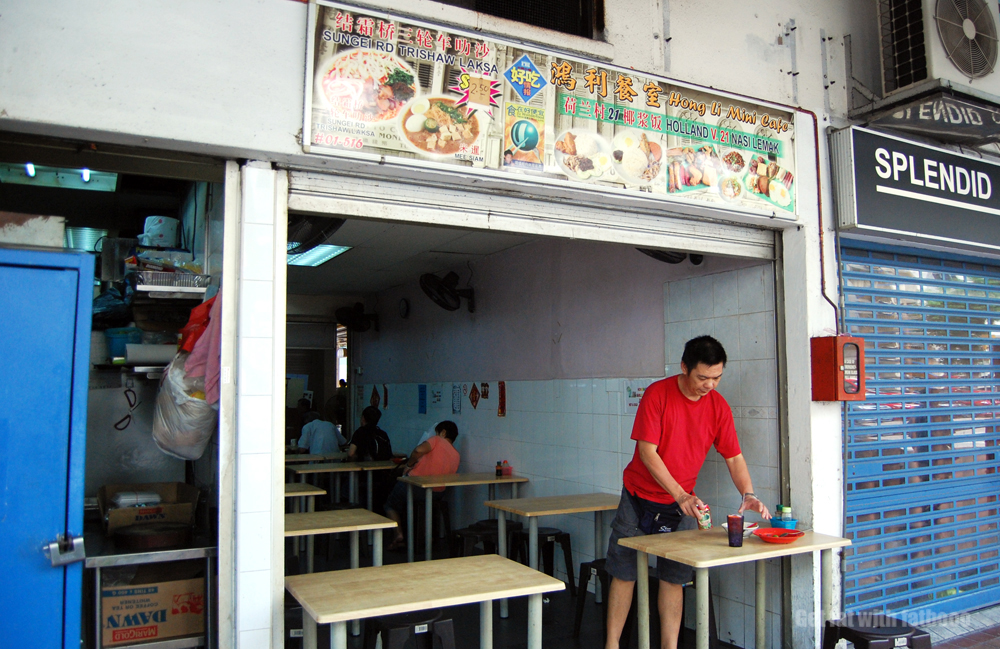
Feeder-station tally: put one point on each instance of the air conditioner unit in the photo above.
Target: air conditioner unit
(954, 40)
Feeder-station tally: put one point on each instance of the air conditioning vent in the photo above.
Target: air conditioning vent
(904, 57)
(947, 40)
(969, 35)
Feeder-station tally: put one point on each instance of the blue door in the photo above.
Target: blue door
(45, 302)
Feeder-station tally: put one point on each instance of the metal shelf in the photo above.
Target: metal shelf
(150, 288)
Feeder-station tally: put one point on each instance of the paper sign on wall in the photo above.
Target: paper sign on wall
(422, 399)
(633, 395)
(456, 399)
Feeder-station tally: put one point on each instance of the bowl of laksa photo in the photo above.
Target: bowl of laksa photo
(366, 86)
(435, 126)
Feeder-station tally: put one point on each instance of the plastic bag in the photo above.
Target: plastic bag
(111, 309)
(196, 325)
(183, 422)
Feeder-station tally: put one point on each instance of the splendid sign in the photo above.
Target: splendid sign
(932, 174)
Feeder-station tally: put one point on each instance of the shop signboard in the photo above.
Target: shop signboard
(895, 188)
(399, 88)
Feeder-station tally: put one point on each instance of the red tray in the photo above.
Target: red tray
(777, 534)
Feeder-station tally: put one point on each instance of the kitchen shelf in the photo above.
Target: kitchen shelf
(101, 553)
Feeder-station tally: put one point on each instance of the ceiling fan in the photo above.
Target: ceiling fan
(443, 291)
(306, 231)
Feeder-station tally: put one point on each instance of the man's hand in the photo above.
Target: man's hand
(752, 502)
(689, 504)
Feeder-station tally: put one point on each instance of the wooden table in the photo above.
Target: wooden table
(346, 467)
(337, 597)
(298, 491)
(314, 457)
(704, 549)
(429, 482)
(532, 508)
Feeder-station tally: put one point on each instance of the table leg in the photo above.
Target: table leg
(535, 620)
(355, 564)
(760, 603)
(311, 539)
(533, 543)
(353, 492)
(371, 498)
(642, 583)
(377, 548)
(308, 631)
(701, 607)
(491, 493)
(336, 487)
(98, 628)
(513, 490)
(826, 593)
(502, 549)
(598, 551)
(338, 635)
(428, 523)
(486, 624)
(409, 522)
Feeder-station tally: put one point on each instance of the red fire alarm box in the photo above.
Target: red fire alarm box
(838, 368)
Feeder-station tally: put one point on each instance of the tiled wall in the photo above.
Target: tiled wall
(573, 436)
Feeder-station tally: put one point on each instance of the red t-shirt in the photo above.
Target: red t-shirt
(442, 459)
(683, 430)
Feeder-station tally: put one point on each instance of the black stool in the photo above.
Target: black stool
(874, 631)
(596, 569)
(425, 628)
(547, 539)
(439, 516)
(463, 541)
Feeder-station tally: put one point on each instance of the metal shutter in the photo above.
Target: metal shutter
(922, 481)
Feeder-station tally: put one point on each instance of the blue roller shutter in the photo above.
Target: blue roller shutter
(922, 479)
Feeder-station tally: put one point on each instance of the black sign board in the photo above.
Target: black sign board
(897, 188)
(946, 118)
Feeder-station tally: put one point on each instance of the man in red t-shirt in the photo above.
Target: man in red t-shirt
(678, 420)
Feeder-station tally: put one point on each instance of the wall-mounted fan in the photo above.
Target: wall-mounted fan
(968, 35)
(444, 292)
(305, 232)
(355, 318)
(666, 256)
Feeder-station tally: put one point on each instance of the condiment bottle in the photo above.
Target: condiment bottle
(499, 469)
(506, 469)
(786, 513)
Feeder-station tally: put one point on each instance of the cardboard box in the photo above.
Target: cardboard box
(178, 504)
(152, 608)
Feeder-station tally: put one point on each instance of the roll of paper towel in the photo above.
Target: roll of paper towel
(151, 354)
(160, 231)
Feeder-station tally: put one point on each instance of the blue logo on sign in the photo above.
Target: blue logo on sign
(525, 78)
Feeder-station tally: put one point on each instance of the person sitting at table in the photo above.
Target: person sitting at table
(318, 436)
(436, 456)
(369, 442)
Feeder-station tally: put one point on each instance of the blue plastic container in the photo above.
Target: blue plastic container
(118, 338)
(785, 525)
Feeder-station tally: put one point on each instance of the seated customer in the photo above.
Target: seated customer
(320, 436)
(369, 442)
(436, 456)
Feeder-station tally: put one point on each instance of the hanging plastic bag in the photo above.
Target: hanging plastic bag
(183, 422)
(196, 325)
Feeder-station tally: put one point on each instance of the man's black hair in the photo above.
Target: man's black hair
(304, 403)
(371, 415)
(703, 349)
(449, 428)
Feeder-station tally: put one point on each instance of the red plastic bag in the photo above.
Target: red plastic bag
(196, 326)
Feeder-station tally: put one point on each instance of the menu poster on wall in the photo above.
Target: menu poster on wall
(395, 87)
(633, 395)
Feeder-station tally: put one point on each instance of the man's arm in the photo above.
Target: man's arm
(740, 474)
(654, 463)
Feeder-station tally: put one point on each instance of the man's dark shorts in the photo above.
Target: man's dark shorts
(621, 561)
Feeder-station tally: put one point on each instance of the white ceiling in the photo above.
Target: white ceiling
(385, 254)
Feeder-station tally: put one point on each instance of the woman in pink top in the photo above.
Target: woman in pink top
(436, 456)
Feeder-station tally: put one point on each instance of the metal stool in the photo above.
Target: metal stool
(426, 629)
(875, 631)
(547, 539)
(463, 541)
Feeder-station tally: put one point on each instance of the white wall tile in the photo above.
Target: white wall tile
(702, 298)
(254, 424)
(731, 621)
(254, 609)
(258, 252)
(729, 386)
(256, 639)
(726, 294)
(258, 195)
(256, 309)
(256, 367)
(253, 542)
(585, 396)
(756, 331)
(679, 301)
(253, 483)
(756, 287)
(758, 383)
(727, 332)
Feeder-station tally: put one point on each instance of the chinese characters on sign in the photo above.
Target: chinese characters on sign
(399, 88)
